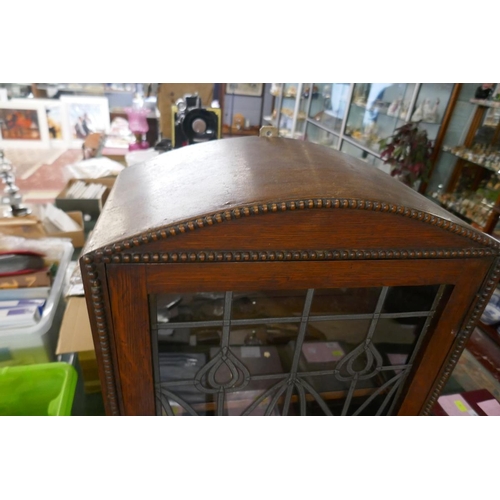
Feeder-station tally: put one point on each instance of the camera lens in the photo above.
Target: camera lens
(199, 126)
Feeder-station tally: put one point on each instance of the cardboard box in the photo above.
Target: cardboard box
(77, 237)
(75, 336)
(91, 206)
(27, 227)
(31, 227)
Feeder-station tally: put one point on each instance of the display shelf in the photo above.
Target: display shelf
(400, 117)
(233, 131)
(472, 157)
(461, 206)
(245, 403)
(364, 145)
(380, 111)
(485, 103)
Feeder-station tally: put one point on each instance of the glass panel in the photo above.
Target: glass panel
(377, 109)
(431, 104)
(455, 135)
(352, 150)
(326, 351)
(320, 136)
(190, 307)
(344, 301)
(287, 94)
(329, 104)
(271, 304)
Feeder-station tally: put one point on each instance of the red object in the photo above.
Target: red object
(32, 258)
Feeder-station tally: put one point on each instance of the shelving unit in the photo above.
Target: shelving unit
(353, 117)
(472, 184)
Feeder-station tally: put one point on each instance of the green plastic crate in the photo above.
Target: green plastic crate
(46, 389)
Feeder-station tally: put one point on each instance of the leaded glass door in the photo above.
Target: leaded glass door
(328, 351)
(338, 338)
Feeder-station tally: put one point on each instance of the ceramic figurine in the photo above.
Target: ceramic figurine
(394, 108)
(430, 112)
(418, 113)
(403, 111)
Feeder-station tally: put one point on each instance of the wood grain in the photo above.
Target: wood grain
(132, 338)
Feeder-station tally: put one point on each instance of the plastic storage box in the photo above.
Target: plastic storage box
(43, 390)
(36, 344)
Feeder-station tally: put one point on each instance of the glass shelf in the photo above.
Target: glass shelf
(364, 142)
(363, 155)
(382, 111)
(375, 111)
(485, 103)
(330, 107)
(468, 206)
(476, 158)
(319, 135)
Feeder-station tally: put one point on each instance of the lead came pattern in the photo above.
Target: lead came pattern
(363, 363)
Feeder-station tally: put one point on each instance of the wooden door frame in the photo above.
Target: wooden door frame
(129, 319)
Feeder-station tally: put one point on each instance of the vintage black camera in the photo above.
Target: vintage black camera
(192, 123)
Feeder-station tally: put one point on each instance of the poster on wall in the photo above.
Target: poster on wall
(84, 116)
(248, 89)
(23, 124)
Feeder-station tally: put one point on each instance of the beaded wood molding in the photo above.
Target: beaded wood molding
(98, 307)
(463, 336)
(246, 211)
(290, 255)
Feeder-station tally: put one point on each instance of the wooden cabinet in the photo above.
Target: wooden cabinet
(271, 276)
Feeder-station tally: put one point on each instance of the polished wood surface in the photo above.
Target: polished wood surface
(132, 339)
(208, 178)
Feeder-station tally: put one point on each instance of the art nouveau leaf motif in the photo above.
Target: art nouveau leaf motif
(224, 371)
(364, 355)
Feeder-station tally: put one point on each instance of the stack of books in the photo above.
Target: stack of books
(82, 190)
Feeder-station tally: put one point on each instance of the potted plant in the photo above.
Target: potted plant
(409, 152)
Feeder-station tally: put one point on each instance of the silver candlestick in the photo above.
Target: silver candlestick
(11, 192)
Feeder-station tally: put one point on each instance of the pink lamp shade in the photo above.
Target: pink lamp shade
(137, 120)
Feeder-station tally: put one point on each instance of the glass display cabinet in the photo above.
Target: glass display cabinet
(326, 288)
(353, 117)
(465, 178)
(288, 115)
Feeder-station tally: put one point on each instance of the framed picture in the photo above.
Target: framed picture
(83, 116)
(23, 124)
(54, 115)
(54, 112)
(249, 89)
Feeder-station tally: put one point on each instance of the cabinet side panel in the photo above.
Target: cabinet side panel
(131, 325)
